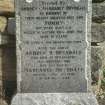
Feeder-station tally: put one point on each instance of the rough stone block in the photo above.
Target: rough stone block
(32, 32)
(98, 32)
(97, 55)
(6, 5)
(3, 23)
(98, 12)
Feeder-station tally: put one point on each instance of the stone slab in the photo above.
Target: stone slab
(54, 99)
(53, 46)
(6, 6)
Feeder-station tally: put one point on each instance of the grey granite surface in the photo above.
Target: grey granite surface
(53, 55)
(54, 99)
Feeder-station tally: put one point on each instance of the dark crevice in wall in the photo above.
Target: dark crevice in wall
(97, 1)
(98, 19)
(7, 14)
(94, 44)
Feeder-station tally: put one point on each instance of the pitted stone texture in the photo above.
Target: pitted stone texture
(54, 99)
(98, 32)
(99, 12)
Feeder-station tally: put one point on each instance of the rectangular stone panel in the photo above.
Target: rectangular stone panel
(53, 45)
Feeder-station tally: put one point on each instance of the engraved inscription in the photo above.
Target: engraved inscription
(53, 45)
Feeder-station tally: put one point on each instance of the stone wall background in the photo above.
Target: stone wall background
(98, 49)
(8, 51)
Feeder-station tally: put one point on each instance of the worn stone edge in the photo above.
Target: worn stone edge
(57, 98)
(89, 21)
(18, 42)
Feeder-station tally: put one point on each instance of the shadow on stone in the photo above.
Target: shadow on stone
(9, 70)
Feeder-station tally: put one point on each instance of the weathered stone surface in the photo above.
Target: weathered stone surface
(97, 55)
(98, 12)
(54, 99)
(101, 101)
(48, 60)
(3, 23)
(11, 26)
(98, 32)
(6, 5)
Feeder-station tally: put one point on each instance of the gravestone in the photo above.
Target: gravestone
(53, 52)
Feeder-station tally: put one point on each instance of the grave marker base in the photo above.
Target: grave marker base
(54, 99)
